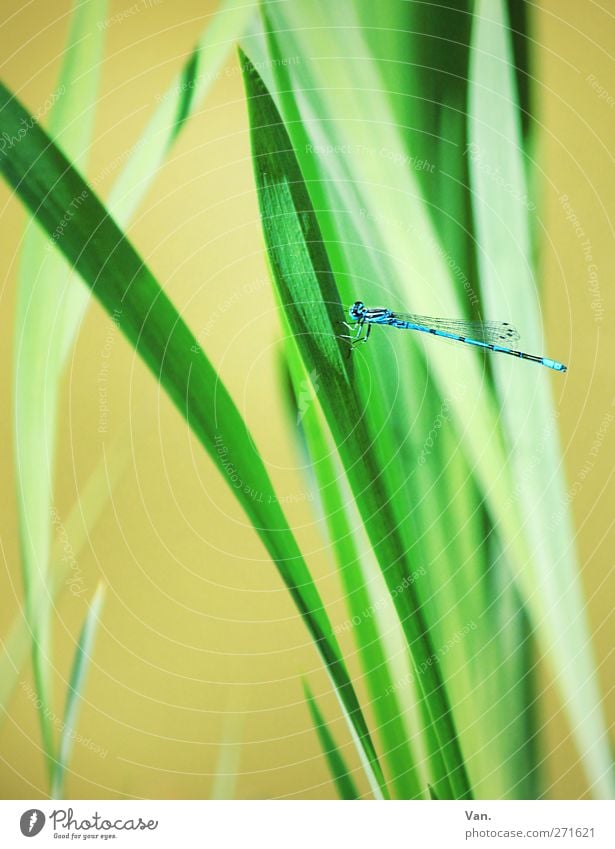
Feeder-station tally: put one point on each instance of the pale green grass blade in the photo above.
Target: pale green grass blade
(183, 97)
(337, 766)
(550, 581)
(107, 262)
(72, 532)
(76, 687)
(308, 293)
(42, 286)
(177, 104)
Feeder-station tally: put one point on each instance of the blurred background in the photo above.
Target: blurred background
(200, 654)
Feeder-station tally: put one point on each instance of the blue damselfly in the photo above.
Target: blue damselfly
(495, 336)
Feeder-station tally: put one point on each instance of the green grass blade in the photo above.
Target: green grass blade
(72, 532)
(337, 766)
(76, 687)
(107, 262)
(550, 582)
(365, 599)
(42, 285)
(308, 293)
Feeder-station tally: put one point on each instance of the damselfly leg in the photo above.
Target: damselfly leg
(356, 329)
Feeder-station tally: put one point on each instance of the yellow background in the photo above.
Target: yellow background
(199, 642)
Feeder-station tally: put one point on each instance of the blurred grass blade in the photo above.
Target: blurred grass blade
(177, 104)
(126, 288)
(550, 582)
(75, 532)
(180, 101)
(308, 293)
(224, 783)
(43, 282)
(339, 771)
(76, 687)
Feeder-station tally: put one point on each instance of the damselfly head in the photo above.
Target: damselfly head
(357, 309)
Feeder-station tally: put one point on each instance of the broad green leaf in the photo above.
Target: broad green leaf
(107, 262)
(337, 766)
(76, 687)
(309, 296)
(549, 581)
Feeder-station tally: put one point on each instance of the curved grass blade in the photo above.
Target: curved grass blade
(126, 288)
(43, 283)
(76, 686)
(339, 771)
(307, 290)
